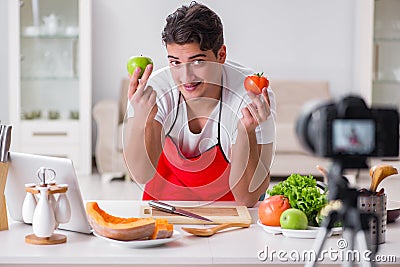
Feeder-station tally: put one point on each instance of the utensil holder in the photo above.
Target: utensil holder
(376, 205)
(3, 206)
(5, 141)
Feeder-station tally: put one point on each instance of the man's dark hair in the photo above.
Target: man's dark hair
(194, 23)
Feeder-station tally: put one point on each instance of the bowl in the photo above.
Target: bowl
(31, 31)
(53, 115)
(393, 211)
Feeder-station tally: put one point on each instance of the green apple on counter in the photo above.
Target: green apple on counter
(138, 61)
(293, 219)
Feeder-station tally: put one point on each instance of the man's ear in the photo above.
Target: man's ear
(221, 55)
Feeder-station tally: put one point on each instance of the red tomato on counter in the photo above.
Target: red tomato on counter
(270, 210)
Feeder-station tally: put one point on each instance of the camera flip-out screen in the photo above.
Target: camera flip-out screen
(353, 136)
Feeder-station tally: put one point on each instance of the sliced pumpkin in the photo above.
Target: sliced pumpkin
(118, 228)
(163, 229)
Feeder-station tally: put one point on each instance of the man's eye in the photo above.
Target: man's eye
(174, 63)
(198, 62)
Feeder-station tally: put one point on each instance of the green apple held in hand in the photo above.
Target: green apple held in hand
(135, 62)
(293, 219)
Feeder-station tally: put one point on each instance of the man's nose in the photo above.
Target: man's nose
(186, 72)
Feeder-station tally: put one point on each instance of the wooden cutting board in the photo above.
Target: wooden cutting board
(218, 214)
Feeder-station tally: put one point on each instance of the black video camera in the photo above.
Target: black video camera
(348, 130)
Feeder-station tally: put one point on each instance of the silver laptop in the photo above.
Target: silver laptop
(23, 169)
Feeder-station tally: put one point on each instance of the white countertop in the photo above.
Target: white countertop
(240, 247)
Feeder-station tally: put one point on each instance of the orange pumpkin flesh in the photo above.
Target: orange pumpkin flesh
(126, 229)
(163, 229)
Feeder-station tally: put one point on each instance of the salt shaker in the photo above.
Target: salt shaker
(52, 199)
(29, 205)
(43, 218)
(63, 207)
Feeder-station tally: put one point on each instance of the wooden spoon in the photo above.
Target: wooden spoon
(213, 230)
(378, 173)
(324, 173)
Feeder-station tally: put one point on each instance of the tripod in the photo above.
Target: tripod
(355, 223)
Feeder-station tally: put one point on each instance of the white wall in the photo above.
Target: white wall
(299, 39)
(307, 39)
(3, 63)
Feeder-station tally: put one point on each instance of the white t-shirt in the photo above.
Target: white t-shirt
(234, 99)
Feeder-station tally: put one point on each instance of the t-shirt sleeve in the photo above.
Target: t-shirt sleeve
(266, 131)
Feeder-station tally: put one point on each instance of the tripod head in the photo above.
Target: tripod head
(338, 185)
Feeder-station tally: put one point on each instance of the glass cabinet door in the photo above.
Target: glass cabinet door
(386, 72)
(49, 47)
(50, 74)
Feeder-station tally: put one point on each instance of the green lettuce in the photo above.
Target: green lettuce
(303, 194)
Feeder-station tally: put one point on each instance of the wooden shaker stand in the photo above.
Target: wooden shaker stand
(54, 238)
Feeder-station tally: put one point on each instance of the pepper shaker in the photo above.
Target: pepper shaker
(52, 198)
(29, 205)
(63, 207)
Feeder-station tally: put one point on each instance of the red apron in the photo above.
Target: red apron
(201, 178)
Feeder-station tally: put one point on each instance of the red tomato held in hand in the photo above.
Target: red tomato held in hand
(270, 210)
(255, 83)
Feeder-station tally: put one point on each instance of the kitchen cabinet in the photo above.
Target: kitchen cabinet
(386, 62)
(50, 79)
(377, 51)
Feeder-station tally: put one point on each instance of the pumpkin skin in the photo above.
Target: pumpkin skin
(125, 229)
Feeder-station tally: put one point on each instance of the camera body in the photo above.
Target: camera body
(348, 129)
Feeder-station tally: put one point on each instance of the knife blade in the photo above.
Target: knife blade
(5, 141)
(1, 133)
(171, 209)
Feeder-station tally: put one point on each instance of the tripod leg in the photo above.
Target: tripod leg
(351, 256)
(348, 236)
(322, 236)
(318, 245)
(363, 247)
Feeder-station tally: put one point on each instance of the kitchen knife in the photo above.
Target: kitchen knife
(5, 141)
(171, 209)
(1, 133)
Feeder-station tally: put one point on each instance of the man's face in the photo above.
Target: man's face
(197, 73)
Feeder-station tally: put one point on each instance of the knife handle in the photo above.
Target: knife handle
(162, 206)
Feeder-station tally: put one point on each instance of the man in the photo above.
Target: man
(194, 133)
